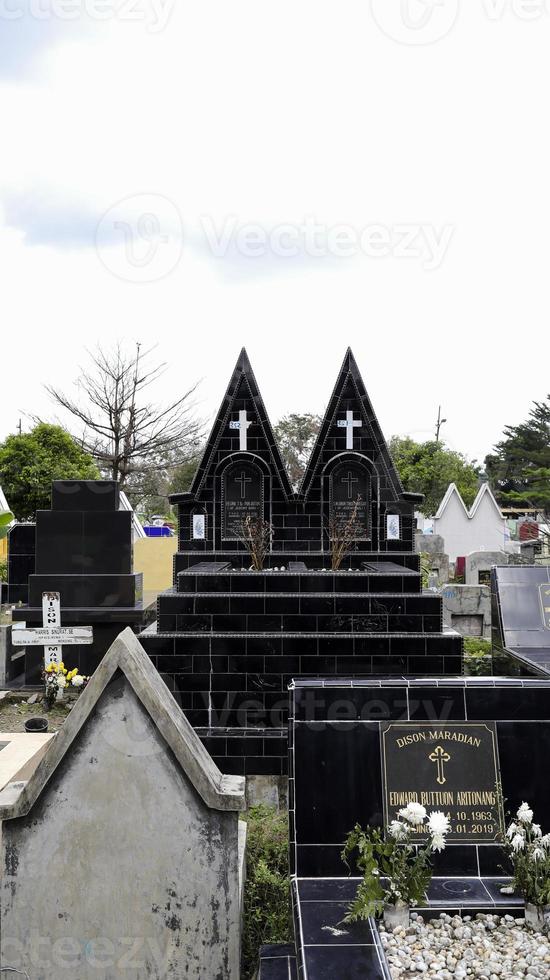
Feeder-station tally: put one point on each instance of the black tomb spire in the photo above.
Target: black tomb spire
(351, 460)
(241, 473)
(242, 426)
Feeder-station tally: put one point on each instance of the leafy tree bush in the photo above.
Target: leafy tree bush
(30, 461)
(429, 467)
(296, 435)
(519, 467)
(267, 917)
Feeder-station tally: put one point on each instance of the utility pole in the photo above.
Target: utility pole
(438, 424)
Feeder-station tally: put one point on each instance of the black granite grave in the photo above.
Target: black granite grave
(228, 640)
(21, 561)
(520, 600)
(83, 550)
(361, 749)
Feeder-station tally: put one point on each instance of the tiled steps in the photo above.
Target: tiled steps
(296, 612)
(296, 582)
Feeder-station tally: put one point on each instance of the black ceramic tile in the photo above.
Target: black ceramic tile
(345, 963)
(458, 890)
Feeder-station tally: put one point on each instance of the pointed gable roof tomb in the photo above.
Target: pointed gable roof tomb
(241, 425)
(351, 452)
(128, 809)
(482, 528)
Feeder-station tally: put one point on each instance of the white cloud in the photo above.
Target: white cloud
(271, 113)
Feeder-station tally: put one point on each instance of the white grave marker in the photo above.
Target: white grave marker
(51, 635)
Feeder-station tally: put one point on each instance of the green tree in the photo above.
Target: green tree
(429, 467)
(296, 435)
(519, 467)
(30, 461)
(182, 476)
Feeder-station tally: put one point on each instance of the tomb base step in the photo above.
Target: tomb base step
(355, 581)
(313, 559)
(277, 962)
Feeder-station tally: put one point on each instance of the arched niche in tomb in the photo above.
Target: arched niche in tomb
(243, 486)
(350, 493)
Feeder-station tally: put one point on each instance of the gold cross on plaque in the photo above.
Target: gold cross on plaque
(440, 757)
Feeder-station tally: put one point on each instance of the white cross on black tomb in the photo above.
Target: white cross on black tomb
(243, 426)
(349, 424)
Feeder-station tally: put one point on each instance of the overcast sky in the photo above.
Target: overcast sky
(292, 177)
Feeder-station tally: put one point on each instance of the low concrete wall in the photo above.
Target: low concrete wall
(467, 608)
(433, 546)
(480, 562)
(154, 558)
(5, 652)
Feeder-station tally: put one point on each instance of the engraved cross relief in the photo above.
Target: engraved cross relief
(349, 480)
(243, 426)
(243, 479)
(349, 424)
(440, 757)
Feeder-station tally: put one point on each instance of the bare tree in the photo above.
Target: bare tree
(256, 535)
(131, 437)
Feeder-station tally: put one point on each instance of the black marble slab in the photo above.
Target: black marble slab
(520, 600)
(89, 589)
(85, 495)
(79, 542)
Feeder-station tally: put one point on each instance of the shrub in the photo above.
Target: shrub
(267, 917)
(474, 646)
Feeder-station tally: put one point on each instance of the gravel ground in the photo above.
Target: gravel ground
(481, 947)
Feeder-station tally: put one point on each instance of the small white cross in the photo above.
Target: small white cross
(242, 425)
(349, 424)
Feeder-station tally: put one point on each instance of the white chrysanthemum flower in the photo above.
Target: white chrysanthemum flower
(438, 823)
(61, 681)
(438, 842)
(511, 830)
(545, 841)
(525, 813)
(414, 813)
(518, 842)
(398, 829)
(537, 829)
(538, 854)
(77, 680)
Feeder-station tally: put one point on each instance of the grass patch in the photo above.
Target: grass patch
(267, 915)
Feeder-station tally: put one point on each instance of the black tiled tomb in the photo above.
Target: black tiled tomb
(83, 550)
(228, 640)
(359, 749)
